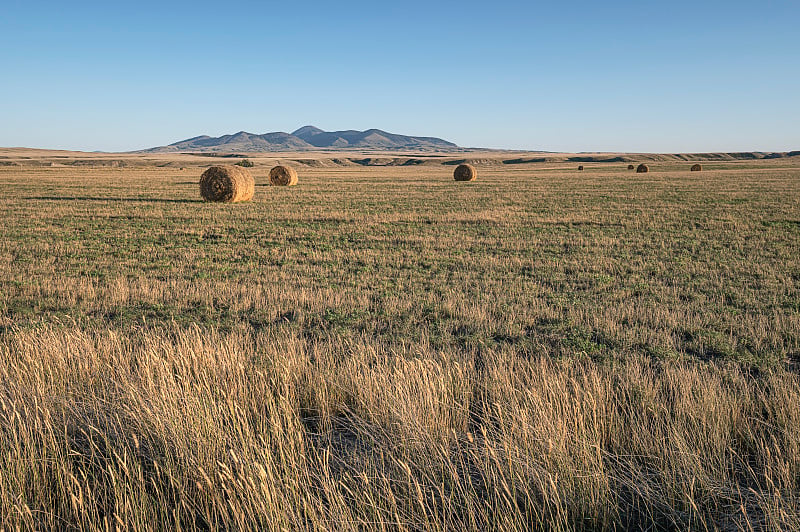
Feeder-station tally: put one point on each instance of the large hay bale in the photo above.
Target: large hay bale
(465, 172)
(630, 167)
(228, 184)
(696, 168)
(580, 167)
(283, 176)
(642, 169)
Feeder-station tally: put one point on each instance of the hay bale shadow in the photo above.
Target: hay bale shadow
(121, 200)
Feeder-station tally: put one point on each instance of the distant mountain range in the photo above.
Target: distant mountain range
(305, 139)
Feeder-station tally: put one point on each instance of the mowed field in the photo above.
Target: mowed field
(384, 348)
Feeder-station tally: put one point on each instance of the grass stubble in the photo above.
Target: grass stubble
(383, 349)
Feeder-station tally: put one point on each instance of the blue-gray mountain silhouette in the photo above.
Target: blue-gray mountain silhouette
(306, 138)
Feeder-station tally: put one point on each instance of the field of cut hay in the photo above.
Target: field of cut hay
(385, 348)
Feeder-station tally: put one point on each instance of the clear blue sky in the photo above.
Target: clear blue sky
(573, 76)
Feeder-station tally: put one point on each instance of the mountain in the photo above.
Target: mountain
(371, 138)
(304, 139)
(241, 141)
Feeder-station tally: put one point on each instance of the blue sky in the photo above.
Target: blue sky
(571, 76)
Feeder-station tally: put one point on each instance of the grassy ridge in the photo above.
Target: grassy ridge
(382, 347)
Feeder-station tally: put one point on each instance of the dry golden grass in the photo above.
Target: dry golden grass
(384, 349)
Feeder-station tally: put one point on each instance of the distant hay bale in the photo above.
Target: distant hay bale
(642, 169)
(283, 176)
(696, 168)
(630, 167)
(228, 184)
(465, 172)
(580, 167)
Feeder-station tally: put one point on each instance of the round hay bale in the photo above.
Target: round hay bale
(642, 169)
(228, 184)
(580, 167)
(283, 176)
(630, 167)
(696, 168)
(465, 172)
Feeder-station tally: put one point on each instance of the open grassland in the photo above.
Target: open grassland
(384, 348)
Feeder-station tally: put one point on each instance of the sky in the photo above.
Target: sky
(633, 76)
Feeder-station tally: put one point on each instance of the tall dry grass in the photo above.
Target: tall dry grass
(197, 429)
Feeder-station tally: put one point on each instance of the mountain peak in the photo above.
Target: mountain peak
(307, 130)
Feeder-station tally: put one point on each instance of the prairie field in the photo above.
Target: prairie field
(383, 348)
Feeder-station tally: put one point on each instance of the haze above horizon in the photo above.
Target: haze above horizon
(618, 76)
